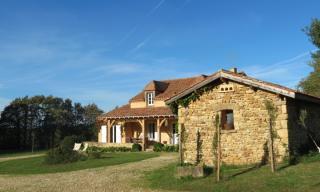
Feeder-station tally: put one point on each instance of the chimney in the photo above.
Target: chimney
(234, 70)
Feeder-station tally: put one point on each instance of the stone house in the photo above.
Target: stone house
(240, 101)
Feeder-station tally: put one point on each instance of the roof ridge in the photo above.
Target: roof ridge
(183, 78)
(259, 80)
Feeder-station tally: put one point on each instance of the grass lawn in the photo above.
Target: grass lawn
(6, 154)
(35, 165)
(304, 176)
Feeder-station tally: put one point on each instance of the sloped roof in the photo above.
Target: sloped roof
(126, 112)
(158, 86)
(171, 90)
(168, 88)
(242, 78)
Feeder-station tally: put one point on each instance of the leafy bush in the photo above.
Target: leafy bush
(170, 148)
(64, 152)
(157, 147)
(94, 149)
(136, 147)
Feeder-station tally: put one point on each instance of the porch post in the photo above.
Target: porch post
(108, 131)
(158, 130)
(123, 133)
(143, 134)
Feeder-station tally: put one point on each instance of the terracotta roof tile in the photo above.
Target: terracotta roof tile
(166, 89)
(258, 81)
(127, 112)
(243, 78)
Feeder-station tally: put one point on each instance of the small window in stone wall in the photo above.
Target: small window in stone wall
(226, 88)
(227, 120)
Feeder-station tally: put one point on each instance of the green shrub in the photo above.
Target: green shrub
(171, 148)
(108, 149)
(176, 148)
(94, 149)
(67, 144)
(136, 147)
(64, 152)
(157, 147)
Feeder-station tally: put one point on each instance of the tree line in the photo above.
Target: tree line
(311, 83)
(41, 122)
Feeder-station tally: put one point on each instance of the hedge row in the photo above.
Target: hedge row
(158, 147)
(135, 148)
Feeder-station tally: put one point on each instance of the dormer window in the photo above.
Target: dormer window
(150, 98)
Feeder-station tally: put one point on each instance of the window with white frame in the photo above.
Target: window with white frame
(150, 98)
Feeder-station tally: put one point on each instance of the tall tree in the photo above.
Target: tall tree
(311, 84)
(42, 122)
(91, 112)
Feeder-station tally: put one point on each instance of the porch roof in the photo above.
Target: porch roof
(125, 112)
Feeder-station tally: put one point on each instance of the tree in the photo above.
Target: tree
(91, 112)
(311, 84)
(272, 115)
(41, 122)
(181, 141)
(216, 145)
(303, 122)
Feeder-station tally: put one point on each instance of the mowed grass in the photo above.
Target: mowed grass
(304, 176)
(6, 154)
(36, 165)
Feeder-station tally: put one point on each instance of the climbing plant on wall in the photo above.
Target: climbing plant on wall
(185, 101)
(216, 146)
(272, 116)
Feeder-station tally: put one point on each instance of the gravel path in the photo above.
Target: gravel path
(106, 179)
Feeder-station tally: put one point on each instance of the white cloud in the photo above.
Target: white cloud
(287, 72)
(128, 35)
(141, 44)
(155, 8)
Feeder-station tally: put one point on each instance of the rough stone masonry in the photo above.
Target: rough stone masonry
(247, 142)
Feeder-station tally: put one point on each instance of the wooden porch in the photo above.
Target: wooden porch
(144, 130)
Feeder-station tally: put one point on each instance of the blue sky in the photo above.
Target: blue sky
(106, 51)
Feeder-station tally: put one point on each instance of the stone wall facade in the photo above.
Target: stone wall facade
(247, 143)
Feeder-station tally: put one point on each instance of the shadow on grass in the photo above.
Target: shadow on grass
(255, 167)
(283, 167)
(104, 157)
(316, 185)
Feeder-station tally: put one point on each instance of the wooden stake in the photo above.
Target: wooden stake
(218, 153)
(271, 154)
